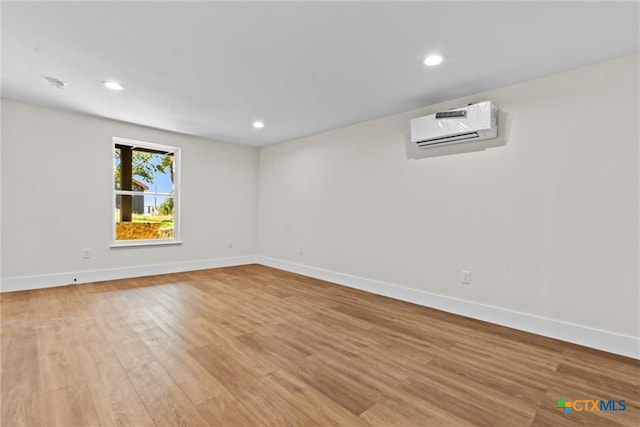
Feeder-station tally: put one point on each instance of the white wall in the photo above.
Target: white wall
(548, 224)
(57, 188)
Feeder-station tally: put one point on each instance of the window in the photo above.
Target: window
(145, 195)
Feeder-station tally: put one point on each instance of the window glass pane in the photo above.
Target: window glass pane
(152, 172)
(142, 170)
(117, 170)
(152, 218)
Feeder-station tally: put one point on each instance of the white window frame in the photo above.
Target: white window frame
(176, 194)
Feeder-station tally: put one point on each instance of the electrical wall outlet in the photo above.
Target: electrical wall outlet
(300, 250)
(86, 253)
(466, 277)
(229, 244)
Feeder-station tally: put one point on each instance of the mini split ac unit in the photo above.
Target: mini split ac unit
(473, 122)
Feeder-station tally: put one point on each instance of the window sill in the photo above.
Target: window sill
(158, 242)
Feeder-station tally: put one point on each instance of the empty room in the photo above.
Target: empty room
(356, 213)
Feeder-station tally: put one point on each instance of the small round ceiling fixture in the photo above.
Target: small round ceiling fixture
(258, 124)
(112, 85)
(433, 60)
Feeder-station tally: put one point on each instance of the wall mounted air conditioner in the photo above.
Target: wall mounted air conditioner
(473, 122)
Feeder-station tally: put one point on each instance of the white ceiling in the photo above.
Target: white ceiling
(212, 68)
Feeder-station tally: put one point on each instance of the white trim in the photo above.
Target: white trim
(590, 337)
(142, 144)
(142, 193)
(24, 283)
(143, 242)
(177, 193)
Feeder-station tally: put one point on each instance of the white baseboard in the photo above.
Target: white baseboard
(595, 338)
(24, 283)
(577, 334)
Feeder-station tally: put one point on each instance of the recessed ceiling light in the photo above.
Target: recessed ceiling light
(58, 84)
(258, 124)
(433, 60)
(112, 85)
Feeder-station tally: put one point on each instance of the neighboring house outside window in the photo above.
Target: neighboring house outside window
(146, 191)
(138, 201)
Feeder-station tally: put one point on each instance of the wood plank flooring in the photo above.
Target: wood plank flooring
(255, 346)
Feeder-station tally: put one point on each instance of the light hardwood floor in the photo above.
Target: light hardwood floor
(255, 346)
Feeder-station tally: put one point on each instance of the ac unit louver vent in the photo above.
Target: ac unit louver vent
(449, 139)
